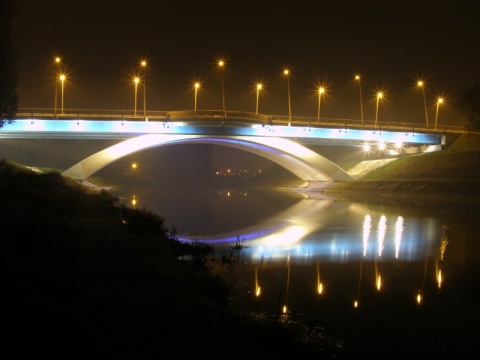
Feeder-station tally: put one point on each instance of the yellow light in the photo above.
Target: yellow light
(320, 288)
(379, 282)
(257, 293)
(321, 89)
(420, 83)
(379, 95)
(62, 77)
(197, 85)
(355, 304)
(286, 72)
(136, 80)
(284, 309)
(58, 60)
(357, 77)
(419, 298)
(221, 63)
(440, 100)
(143, 63)
(134, 165)
(439, 278)
(134, 201)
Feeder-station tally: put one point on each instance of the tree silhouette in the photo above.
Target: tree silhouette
(468, 104)
(8, 62)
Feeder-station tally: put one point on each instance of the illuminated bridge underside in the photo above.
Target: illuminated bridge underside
(304, 163)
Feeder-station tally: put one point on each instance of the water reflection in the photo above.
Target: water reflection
(364, 271)
(321, 231)
(311, 228)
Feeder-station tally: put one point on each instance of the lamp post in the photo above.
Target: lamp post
(143, 64)
(136, 80)
(358, 78)
(321, 90)
(286, 73)
(259, 87)
(197, 86)
(421, 84)
(62, 78)
(57, 61)
(379, 96)
(439, 102)
(221, 64)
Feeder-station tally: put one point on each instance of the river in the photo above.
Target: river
(381, 278)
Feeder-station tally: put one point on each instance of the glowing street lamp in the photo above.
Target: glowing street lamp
(259, 87)
(358, 78)
(379, 96)
(62, 79)
(136, 80)
(143, 65)
(421, 84)
(221, 64)
(197, 86)
(321, 90)
(439, 102)
(286, 72)
(57, 61)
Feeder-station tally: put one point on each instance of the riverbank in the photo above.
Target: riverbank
(451, 175)
(83, 277)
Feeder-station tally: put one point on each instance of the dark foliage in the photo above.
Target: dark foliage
(468, 104)
(8, 61)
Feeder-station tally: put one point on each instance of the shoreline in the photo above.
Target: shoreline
(415, 192)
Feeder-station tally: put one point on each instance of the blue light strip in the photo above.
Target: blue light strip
(123, 128)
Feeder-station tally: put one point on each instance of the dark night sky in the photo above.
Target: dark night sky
(390, 43)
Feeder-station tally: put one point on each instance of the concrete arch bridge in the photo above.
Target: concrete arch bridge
(284, 144)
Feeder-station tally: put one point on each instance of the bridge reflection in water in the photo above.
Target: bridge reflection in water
(301, 245)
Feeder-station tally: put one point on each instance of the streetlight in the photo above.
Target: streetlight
(259, 87)
(379, 96)
(57, 61)
(136, 80)
(286, 72)
(197, 86)
(358, 78)
(421, 84)
(321, 90)
(143, 64)
(439, 102)
(221, 63)
(62, 78)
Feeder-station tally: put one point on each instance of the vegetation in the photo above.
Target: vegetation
(8, 60)
(468, 104)
(84, 277)
(452, 174)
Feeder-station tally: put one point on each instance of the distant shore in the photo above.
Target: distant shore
(412, 191)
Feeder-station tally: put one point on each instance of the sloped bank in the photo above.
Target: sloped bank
(450, 175)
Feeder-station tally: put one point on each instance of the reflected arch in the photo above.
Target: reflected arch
(306, 164)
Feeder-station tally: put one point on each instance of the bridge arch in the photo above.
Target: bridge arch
(301, 161)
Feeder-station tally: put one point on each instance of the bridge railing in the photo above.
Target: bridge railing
(226, 117)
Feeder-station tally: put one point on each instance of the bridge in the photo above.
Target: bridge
(282, 140)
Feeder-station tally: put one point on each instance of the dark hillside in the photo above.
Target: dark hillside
(84, 278)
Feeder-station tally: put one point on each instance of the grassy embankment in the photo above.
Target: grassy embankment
(83, 277)
(450, 174)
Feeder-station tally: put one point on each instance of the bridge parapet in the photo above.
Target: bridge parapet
(229, 116)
